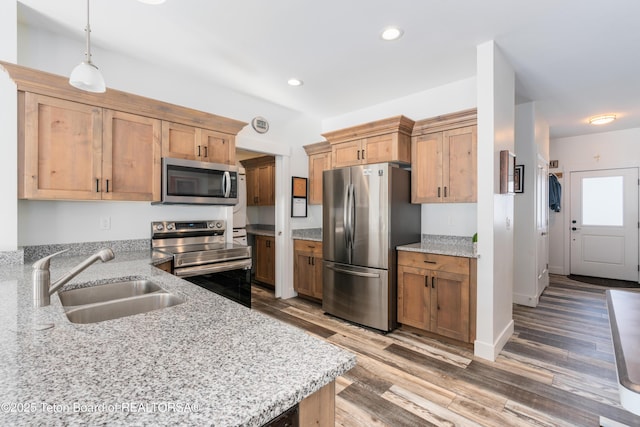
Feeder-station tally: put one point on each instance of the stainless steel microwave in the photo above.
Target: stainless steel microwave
(198, 183)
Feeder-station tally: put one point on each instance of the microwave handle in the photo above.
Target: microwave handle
(226, 183)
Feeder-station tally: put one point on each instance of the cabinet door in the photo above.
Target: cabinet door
(414, 297)
(308, 268)
(266, 185)
(131, 157)
(378, 149)
(303, 272)
(450, 305)
(346, 154)
(460, 165)
(217, 147)
(180, 141)
(426, 168)
(61, 155)
(252, 186)
(318, 163)
(265, 259)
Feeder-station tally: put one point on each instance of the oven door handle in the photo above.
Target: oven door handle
(199, 270)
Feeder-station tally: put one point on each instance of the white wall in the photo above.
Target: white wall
(496, 105)
(79, 221)
(8, 130)
(532, 139)
(606, 150)
(454, 219)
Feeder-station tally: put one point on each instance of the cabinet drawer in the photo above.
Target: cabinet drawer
(452, 264)
(308, 246)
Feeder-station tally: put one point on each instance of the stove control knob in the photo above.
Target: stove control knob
(169, 226)
(218, 224)
(211, 225)
(159, 227)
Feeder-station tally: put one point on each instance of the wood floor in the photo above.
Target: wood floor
(556, 370)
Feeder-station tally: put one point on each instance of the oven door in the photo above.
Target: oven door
(232, 284)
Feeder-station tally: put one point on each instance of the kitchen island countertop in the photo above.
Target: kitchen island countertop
(205, 361)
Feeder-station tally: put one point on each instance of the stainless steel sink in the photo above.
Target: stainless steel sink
(114, 300)
(118, 308)
(108, 292)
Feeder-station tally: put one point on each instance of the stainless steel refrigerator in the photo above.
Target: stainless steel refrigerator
(367, 212)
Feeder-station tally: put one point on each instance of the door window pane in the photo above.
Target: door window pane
(602, 201)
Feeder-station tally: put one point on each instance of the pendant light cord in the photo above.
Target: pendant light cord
(88, 30)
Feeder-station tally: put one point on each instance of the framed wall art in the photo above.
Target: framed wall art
(518, 179)
(507, 171)
(298, 197)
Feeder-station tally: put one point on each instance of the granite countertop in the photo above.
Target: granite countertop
(261, 229)
(206, 361)
(314, 234)
(442, 245)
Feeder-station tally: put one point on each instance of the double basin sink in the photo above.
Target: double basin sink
(115, 300)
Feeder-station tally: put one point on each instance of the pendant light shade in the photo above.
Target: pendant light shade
(86, 75)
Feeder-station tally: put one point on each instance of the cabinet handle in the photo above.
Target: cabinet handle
(430, 262)
(426, 281)
(97, 185)
(198, 151)
(358, 154)
(206, 151)
(107, 186)
(438, 191)
(362, 154)
(313, 260)
(433, 280)
(308, 260)
(445, 191)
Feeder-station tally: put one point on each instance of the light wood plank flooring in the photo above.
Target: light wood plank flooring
(556, 370)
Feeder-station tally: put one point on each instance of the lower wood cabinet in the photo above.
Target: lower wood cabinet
(265, 247)
(436, 293)
(307, 268)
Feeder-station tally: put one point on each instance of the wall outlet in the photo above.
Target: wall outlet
(105, 223)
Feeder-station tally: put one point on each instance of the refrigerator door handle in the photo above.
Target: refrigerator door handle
(353, 273)
(345, 217)
(352, 212)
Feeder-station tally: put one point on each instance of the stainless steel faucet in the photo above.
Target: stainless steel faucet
(42, 287)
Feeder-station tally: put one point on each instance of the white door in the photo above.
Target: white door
(604, 223)
(542, 225)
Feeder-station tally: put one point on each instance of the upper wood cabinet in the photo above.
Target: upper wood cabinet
(387, 140)
(193, 143)
(70, 150)
(260, 175)
(81, 145)
(319, 161)
(444, 152)
(60, 149)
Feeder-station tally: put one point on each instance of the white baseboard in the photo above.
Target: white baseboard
(490, 351)
(528, 300)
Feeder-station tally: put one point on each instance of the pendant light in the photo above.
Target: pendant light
(86, 75)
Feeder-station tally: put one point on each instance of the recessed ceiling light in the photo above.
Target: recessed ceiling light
(295, 82)
(152, 1)
(391, 33)
(602, 120)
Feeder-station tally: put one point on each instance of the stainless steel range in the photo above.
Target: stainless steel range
(202, 256)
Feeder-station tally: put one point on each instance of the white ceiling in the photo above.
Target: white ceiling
(576, 58)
